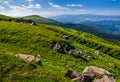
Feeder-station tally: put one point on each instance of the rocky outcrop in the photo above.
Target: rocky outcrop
(66, 37)
(98, 74)
(29, 58)
(75, 53)
(97, 52)
(72, 74)
(87, 57)
(58, 48)
(62, 46)
(33, 23)
(65, 47)
(91, 74)
(86, 52)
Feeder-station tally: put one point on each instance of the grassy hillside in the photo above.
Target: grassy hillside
(93, 30)
(16, 38)
(4, 16)
(81, 27)
(39, 19)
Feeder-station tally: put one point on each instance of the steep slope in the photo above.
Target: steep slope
(93, 30)
(81, 27)
(16, 38)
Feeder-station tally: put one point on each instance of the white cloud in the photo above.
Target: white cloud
(30, 0)
(5, 2)
(22, 10)
(37, 6)
(55, 5)
(18, 8)
(114, 0)
(74, 5)
(31, 6)
(2, 8)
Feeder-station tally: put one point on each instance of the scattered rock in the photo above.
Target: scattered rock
(86, 79)
(72, 74)
(105, 78)
(69, 47)
(53, 44)
(97, 52)
(62, 47)
(78, 79)
(98, 74)
(75, 53)
(91, 74)
(65, 47)
(89, 58)
(58, 48)
(33, 23)
(66, 37)
(64, 41)
(85, 52)
(29, 58)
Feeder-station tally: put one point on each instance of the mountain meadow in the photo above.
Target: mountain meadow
(37, 49)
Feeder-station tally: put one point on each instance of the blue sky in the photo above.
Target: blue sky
(56, 7)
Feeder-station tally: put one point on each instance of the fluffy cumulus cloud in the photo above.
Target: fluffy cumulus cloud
(9, 8)
(55, 5)
(31, 6)
(74, 5)
(37, 6)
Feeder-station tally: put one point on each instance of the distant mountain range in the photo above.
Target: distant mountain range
(82, 27)
(66, 18)
(86, 27)
(111, 26)
(109, 23)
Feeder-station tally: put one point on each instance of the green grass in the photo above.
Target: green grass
(4, 16)
(38, 19)
(18, 38)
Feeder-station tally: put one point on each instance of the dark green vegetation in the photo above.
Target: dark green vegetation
(3, 17)
(81, 27)
(20, 20)
(109, 23)
(110, 26)
(95, 31)
(16, 38)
